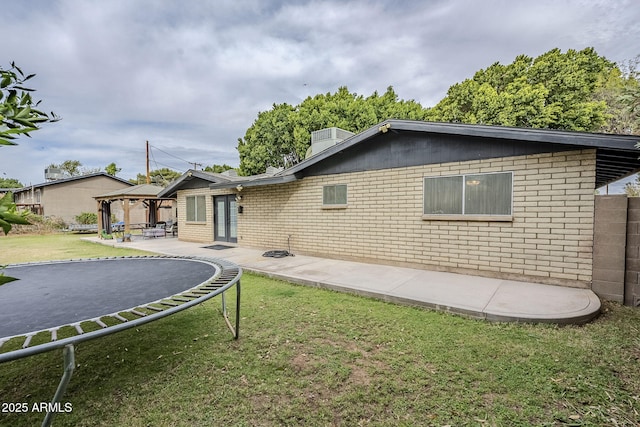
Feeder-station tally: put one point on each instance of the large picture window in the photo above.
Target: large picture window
(196, 209)
(472, 195)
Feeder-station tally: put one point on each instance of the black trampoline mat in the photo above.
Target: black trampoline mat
(49, 295)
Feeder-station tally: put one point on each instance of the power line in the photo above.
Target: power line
(195, 164)
(155, 162)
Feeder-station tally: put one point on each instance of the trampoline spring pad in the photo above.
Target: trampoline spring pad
(65, 294)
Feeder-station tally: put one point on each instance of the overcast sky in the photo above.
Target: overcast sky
(191, 76)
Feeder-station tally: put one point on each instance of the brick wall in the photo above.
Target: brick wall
(195, 231)
(549, 240)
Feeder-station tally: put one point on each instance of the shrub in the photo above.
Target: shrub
(87, 218)
(39, 224)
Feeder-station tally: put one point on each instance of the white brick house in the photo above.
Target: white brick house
(485, 200)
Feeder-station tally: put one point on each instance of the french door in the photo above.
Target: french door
(225, 218)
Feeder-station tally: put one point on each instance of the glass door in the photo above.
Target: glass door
(225, 218)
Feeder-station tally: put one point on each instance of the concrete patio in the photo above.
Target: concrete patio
(474, 296)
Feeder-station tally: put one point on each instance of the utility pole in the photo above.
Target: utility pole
(148, 177)
(195, 165)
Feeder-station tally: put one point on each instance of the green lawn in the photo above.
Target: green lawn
(314, 357)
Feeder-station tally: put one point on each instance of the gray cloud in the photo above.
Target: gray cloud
(192, 79)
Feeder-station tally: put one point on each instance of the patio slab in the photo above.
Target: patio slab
(474, 296)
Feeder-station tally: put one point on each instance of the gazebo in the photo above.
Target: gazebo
(130, 197)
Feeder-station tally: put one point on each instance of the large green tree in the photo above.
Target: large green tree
(555, 90)
(282, 135)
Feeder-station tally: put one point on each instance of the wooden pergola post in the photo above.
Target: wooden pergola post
(127, 221)
(100, 225)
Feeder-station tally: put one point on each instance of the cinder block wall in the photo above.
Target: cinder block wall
(610, 231)
(632, 265)
(550, 239)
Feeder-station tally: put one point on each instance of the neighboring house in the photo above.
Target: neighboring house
(4, 191)
(486, 200)
(68, 197)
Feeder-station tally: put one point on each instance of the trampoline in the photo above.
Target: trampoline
(57, 304)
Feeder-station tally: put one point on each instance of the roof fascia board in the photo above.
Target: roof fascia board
(272, 180)
(596, 140)
(75, 178)
(188, 176)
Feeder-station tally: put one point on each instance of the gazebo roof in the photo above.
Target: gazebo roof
(141, 191)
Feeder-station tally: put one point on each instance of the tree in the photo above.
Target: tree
(632, 189)
(218, 168)
(112, 169)
(68, 167)
(620, 90)
(268, 140)
(72, 168)
(555, 90)
(162, 177)
(630, 96)
(10, 183)
(18, 112)
(280, 137)
(631, 100)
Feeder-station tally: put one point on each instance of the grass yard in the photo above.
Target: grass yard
(314, 357)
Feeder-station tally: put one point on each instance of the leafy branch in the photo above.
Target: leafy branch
(8, 216)
(19, 113)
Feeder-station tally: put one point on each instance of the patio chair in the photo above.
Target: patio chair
(172, 228)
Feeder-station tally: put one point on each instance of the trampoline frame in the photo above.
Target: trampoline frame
(226, 276)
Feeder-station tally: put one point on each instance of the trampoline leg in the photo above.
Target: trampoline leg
(237, 334)
(235, 331)
(69, 365)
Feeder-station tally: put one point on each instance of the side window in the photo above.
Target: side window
(334, 195)
(196, 209)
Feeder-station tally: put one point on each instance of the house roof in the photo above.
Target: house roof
(70, 179)
(616, 155)
(191, 177)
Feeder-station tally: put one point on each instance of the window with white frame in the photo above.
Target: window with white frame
(334, 195)
(472, 195)
(196, 209)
